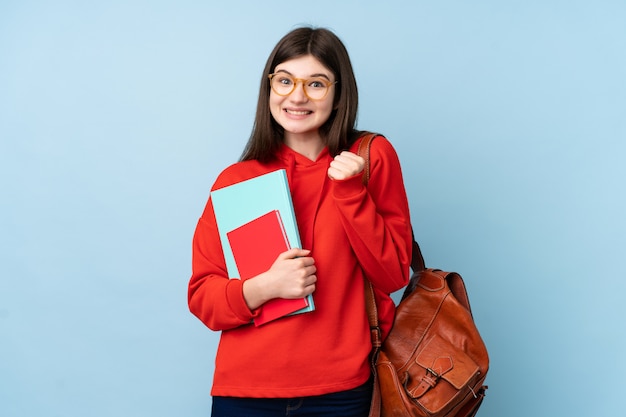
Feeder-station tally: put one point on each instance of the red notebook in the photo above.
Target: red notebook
(255, 246)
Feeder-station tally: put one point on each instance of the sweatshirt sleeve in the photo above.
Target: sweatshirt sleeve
(377, 220)
(214, 298)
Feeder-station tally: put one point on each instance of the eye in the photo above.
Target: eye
(284, 80)
(317, 83)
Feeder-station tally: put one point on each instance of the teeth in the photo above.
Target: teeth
(297, 113)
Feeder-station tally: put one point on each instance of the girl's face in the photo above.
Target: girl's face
(303, 111)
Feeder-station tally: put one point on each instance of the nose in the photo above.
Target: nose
(298, 94)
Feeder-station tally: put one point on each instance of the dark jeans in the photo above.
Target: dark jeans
(351, 403)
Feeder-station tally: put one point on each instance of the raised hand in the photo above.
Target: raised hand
(345, 165)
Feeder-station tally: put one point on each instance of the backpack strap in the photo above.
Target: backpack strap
(417, 259)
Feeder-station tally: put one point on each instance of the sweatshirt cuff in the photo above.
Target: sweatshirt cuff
(348, 187)
(236, 301)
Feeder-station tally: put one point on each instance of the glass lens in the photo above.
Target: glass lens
(282, 84)
(316, 88)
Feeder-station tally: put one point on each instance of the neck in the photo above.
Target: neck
(309, 146)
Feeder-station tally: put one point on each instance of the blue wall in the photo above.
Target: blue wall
(115, 118)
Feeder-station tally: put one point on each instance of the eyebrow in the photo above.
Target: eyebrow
(310, 76)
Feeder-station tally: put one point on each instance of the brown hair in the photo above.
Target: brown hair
(338, 132)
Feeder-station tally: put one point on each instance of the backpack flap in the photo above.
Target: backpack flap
(440, 375)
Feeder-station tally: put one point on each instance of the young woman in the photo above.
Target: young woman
(314, 363)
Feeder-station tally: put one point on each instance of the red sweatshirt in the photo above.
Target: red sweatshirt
(350, 230)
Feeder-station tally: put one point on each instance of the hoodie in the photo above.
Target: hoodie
(353, 233)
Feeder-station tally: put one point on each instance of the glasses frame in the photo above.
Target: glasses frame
(328, 84)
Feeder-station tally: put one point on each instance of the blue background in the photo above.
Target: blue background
(115, 118)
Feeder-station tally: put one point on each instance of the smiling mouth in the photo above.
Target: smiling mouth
(298, 112)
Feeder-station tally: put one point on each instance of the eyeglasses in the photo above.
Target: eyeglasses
(315, 88)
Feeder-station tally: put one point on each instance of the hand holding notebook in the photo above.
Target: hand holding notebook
(256, 245)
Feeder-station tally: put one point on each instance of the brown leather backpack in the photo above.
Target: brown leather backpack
(433, 362)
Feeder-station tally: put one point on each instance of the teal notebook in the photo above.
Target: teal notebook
(240, 203)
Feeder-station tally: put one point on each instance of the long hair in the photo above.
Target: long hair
(338, 133)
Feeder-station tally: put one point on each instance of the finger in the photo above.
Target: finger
(352, 155)
(342, 166)
(310, 285)
(306, 263)
(339, 170)
(294, 253)
(337, 174)
(310, 270)
(310, 280)
(351, 160)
